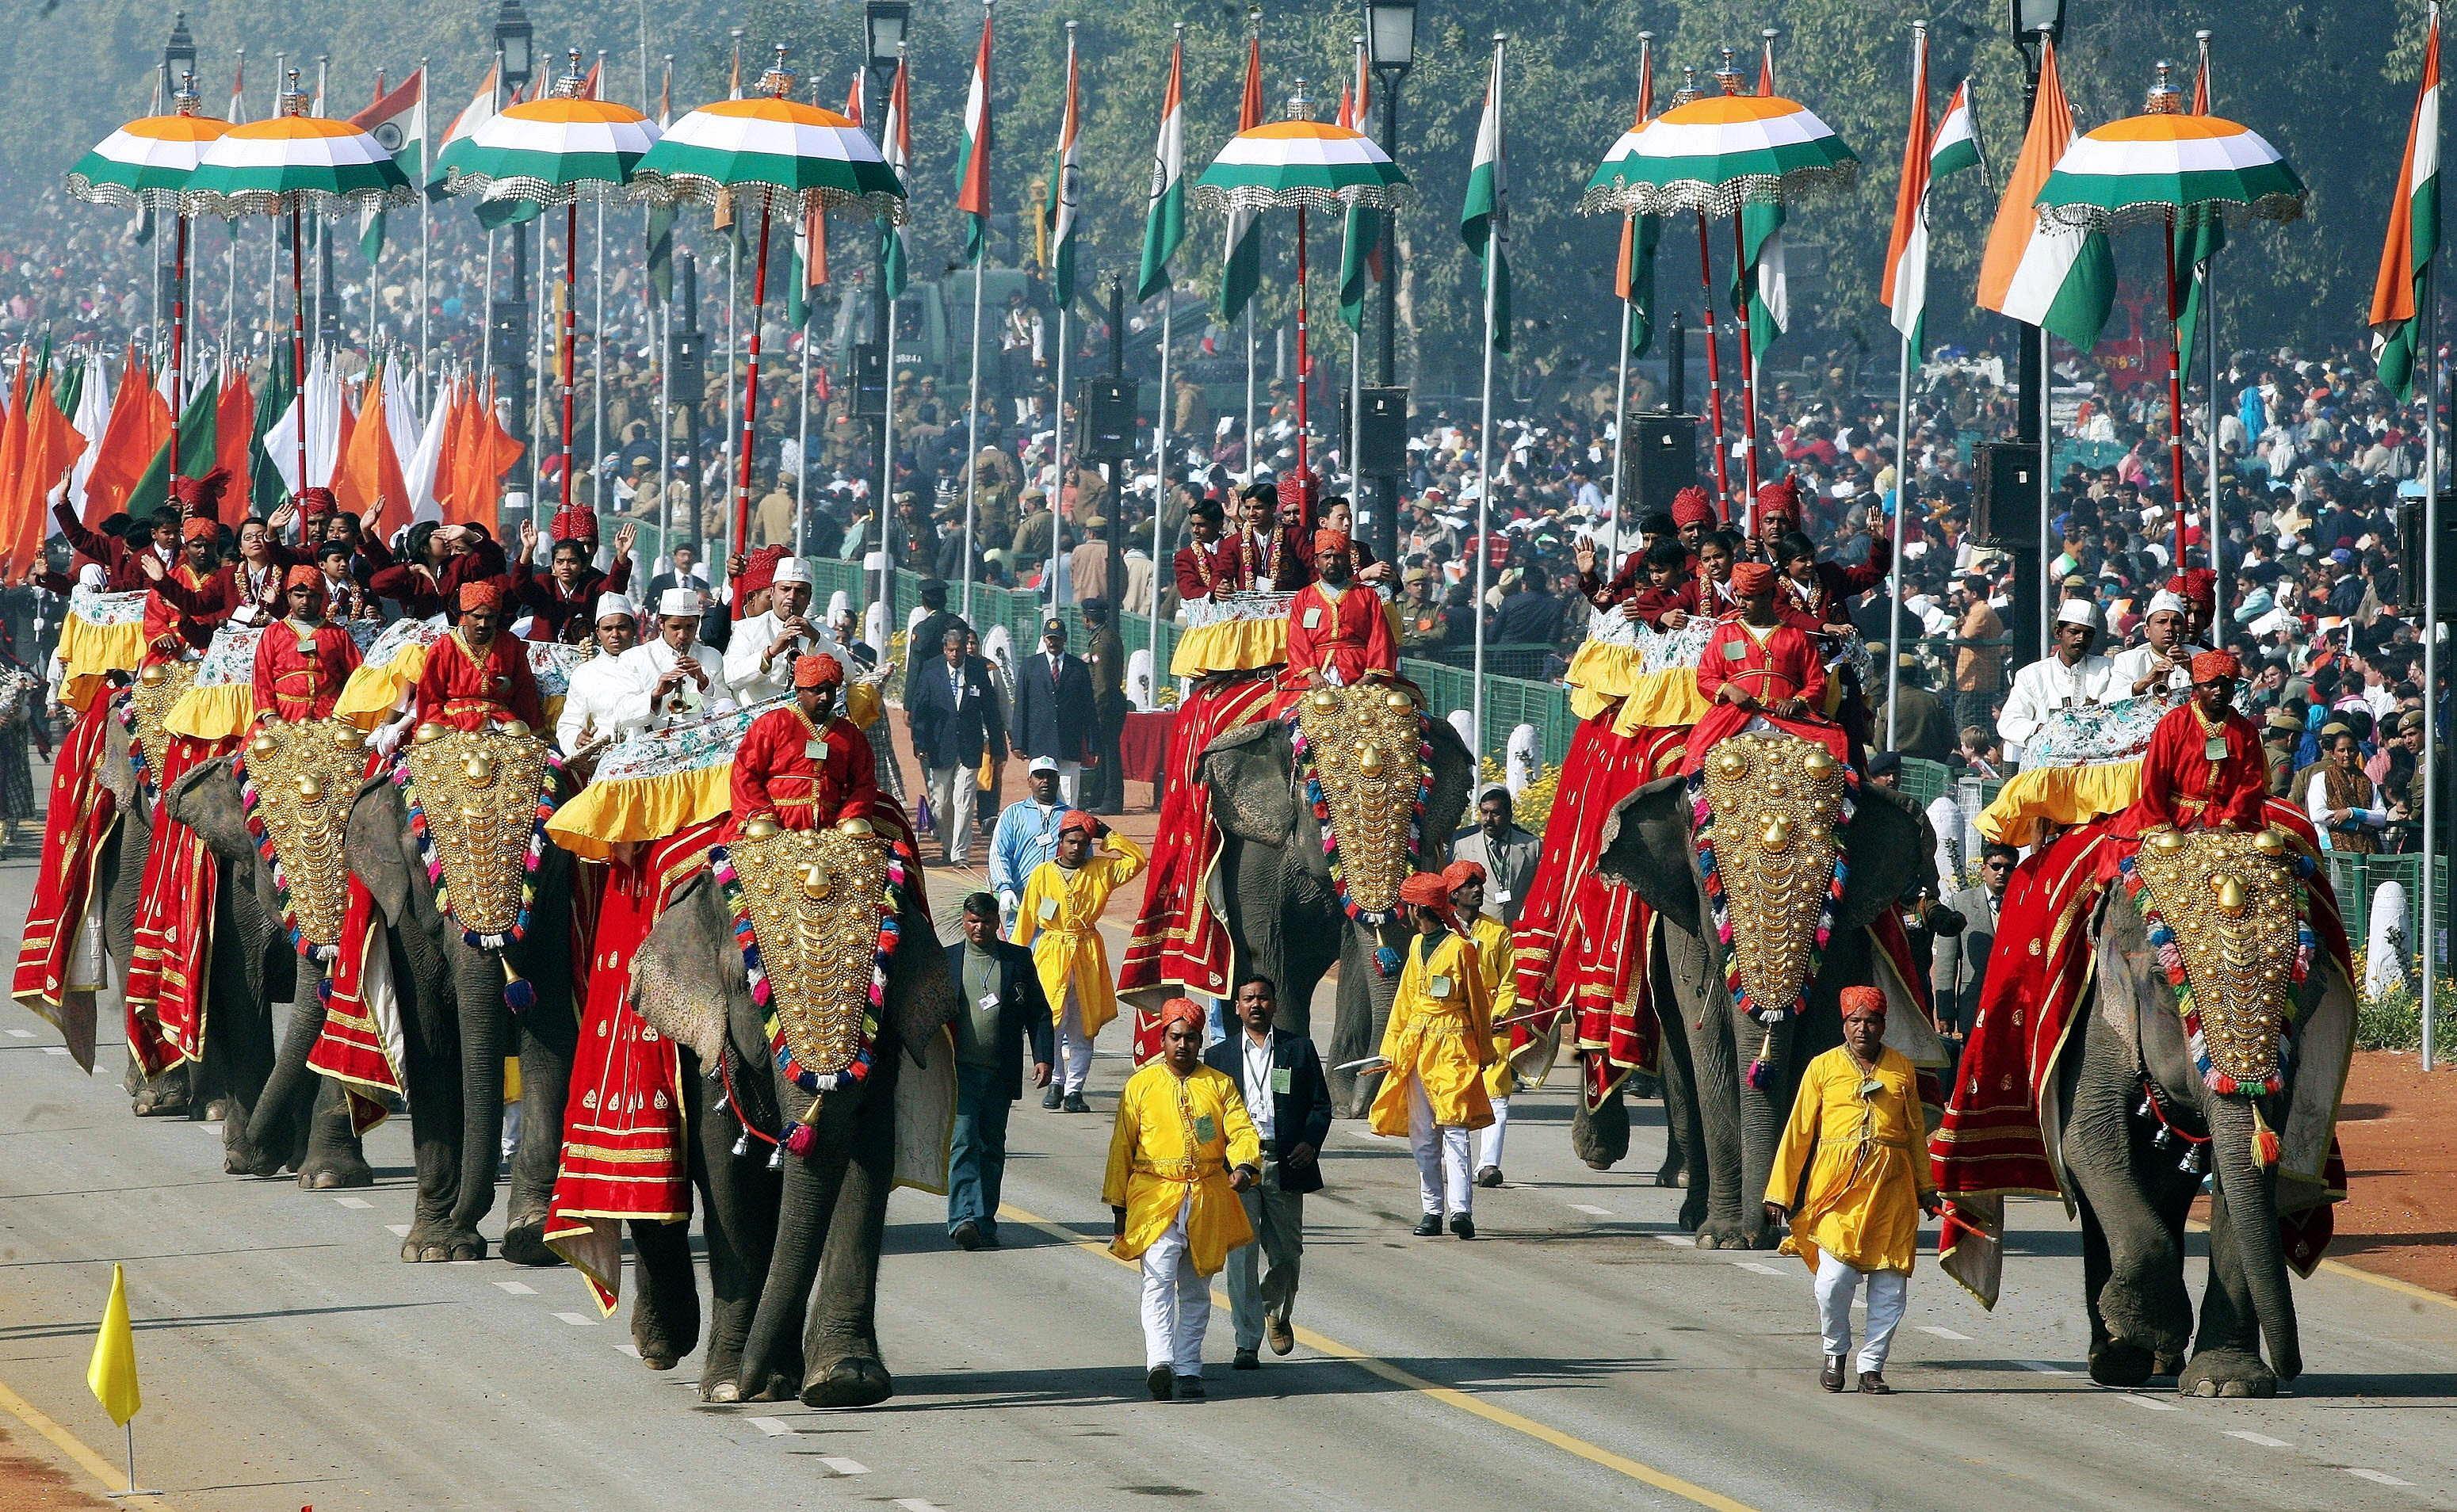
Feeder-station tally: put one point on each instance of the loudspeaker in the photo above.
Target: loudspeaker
(508, 333)
(1104, 419)
(1659, 461)
(690, 358)
(1382, 435)
(2006, 508)
(869, 381)
(2411, 561)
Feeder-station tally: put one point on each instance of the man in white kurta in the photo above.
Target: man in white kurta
(677, 677)
(759, 656)
(2164, 660)
(592, 706)
(2070, 677)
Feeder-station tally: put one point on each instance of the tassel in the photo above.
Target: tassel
(1386, 960)
(742, 1143)
(1761, 1076)
(801, 1141)
(2264, 1139)
(518, 995)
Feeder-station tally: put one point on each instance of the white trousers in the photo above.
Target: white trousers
(1070, 782)
(1888, 1292)
(1074, 1045)
(953, 791)
(1488, 1145)
(1177, 1303)
(1441, 1156)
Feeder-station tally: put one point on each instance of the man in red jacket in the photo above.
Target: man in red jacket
(802, 767)
(1337, 632)
(477, 675)
(301, 661)
(2204, 768)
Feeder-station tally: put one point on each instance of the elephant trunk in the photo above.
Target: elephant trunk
(280, 1113)
(2249, 1189)
(804, 1213)
(479, 982)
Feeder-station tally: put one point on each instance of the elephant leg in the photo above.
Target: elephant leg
(665, 1305)
(1764, 1110)
(274, 1132)
(1362, 1007)
(739, 1194)
(238, 1050)
(1714, 1066)
(1599, 1136)
(2226, 1348)
(334, 1157)
(478, 989)
(842, 1363)
(161, 1096)
(432, 1047)
(2141, 1305)
(550, 1037)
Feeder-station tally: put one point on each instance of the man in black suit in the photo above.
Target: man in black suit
(1054, 710)
(921, 647)
(952, 706)
(1004, 1011)
(1280, 1077)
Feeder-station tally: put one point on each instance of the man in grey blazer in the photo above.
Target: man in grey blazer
(1005, 1014)
(1958, 963)
(1506, 852)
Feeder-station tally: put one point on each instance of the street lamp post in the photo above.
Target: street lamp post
(178, 72)
(513, 39)
(2030, 19)
(1391, 47)
(885, 24)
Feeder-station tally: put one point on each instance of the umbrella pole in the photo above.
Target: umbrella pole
(179, 334)
(1714, 364)
(298, 349)
(2175, 402)
(1747, 365)
(570, 329)
(751, 388)
(1305, 491)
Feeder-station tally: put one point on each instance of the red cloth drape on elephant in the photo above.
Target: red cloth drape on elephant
(175, 918)
(1178, 941)
(79, 816)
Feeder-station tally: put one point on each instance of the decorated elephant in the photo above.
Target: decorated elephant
(784, 1155)
(1766, 896)
(2236, 1075)
(1319, 825)
(283, 1115)
(450, 846)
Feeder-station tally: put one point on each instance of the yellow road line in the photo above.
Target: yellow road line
(109, 1475)
(2356, 1273)
(1448, 1396)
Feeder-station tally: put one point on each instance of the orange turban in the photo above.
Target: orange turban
(1751, 577)
(1326, 539)
(1426, 890)
(1460, 873)
(313, 501)
(1780, 497)
(203, 528)
(1180, 1010)
(821, 670)
(1692, 506)
(480, 595)
(301, 573)
(1860, 1003)
(1078, 820)
(2210, 665)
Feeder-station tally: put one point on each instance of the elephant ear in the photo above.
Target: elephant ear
(206, 799)
(1455, 775)
(922, 996)
(687, 974)
(1893, 856)
(1646, 846)
(376, 842)
(1253, 795)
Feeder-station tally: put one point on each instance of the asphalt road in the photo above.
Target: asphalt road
(1579, 1353)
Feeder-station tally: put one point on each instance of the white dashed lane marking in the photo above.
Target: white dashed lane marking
(516, 1288)
(400, 1229)
(2151, 1403)
(914, 1503)
(21, 1034)
(2042, 1367)
(360, 1203)
(1759, 1266)
(1591, 1210)
(632, 1350)
(2376, 1477)
(844, 1466)
(578, 1319)
(2262, 1438)
(1941, 1331)
(55, 1049)
(772, 1427)
(1679, 1241)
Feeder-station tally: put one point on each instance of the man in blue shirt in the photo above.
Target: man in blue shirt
(1026, 834)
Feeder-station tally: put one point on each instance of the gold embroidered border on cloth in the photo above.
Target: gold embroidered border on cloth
(1776, 803)
(1367, 746)
(157, 687)
(478, 795)
(2229, 897)
(817, 900)
(306, 773)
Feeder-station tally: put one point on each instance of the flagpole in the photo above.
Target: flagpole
(2429, 890)
(1253, 457)
(1714, 373)
(1903, 411)
(2046, 467)
(486, 318)
(1492, 253)
(1160, 467)
(1066, 301)
(973, 428)
(666, 428)
(732, 355)
(1058, 488)
(802, 441)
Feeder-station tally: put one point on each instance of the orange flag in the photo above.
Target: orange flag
(137, 430)
(492, 453)
(368, 481)
(445, 486)
(12, 454)
(52, 446)
(235, 430)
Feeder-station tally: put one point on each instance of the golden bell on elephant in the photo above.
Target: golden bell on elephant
(154, 672)
(2270, 842)
(758, 829)
(1819, 764)
(1777, 833)
(310, 789)
(2232, 897)
(2168, 840)
(478, 769)
(428, 733)
(348, 737)
(1369, 761)
(859, 828)
(1326, 699)
(1731, 763)
(264, 747)
(1396, 699)
(516, 729)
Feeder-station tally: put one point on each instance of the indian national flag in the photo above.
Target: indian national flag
(1361, 250)
(1241, 269)
(973, 168)
(2413, 234)
(1906, 291)
(1484, 218)
(1955, 144)
(2061, 278)
(480, 109)
(1165, 215)
(398, 119)
(1060, 212)
(896, 146)
(1640, 235)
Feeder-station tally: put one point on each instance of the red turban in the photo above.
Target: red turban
(2199, 586)
(1427, 890)
(1751, 577)
(203, 528)
(1780, 497)
(301, 573)
(1078, 820)
(759, 572)
(1180, 1010)
(1862, 1002)
(2210, 665)
(314, 502)
(480, 595)
(1691, 506)
(1326, 539)
(821, 670)
(1460, 873)
(574, 523)
(200, 495)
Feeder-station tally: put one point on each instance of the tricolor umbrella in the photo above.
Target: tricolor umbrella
(289, 164)
(147, 163)
(1302, 165)
(779, 155)
(558, 151)
(1714, 155)
(2174, 168)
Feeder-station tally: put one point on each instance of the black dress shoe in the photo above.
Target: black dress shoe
(1429, 1226)
(1462, 1225)
(1872, 1383)
(1052, 1097)
(1831, 1377)
(1190, 1388)
(1247, 1360)
(968, 1234)
(1489, 1176)
(1075, 1103)
(1160, 1382)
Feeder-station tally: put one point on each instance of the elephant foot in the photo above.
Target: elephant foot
(2227, 1372)
(856, 1380)
(2120, 1364)
(435, 1244)
(1725, 1233)
(779, 1386)
(525, 1244)
(1600, 1137)
(715, 1393)
(159, 1102)
(333, 1172)
(2166, 1363)
(220, 1108)
(1693, 1210)
(245, 1160)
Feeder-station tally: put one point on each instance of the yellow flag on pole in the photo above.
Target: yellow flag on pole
(112, 1374)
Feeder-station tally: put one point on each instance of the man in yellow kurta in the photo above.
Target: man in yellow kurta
(1851, 1179)
(1181, 1152)
(1438, 1042)
(1060, 918)
(1499, 965)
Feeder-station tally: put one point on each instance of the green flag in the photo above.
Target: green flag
(1360, 263)
(1484, 218)
(895, 145)
(265, 488)
(1634, 276)
(1164, 214)
(196, 428)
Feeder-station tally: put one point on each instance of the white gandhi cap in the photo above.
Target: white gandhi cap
(2077, 611)
(793, 570)
(612, 605)
(678, 601)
